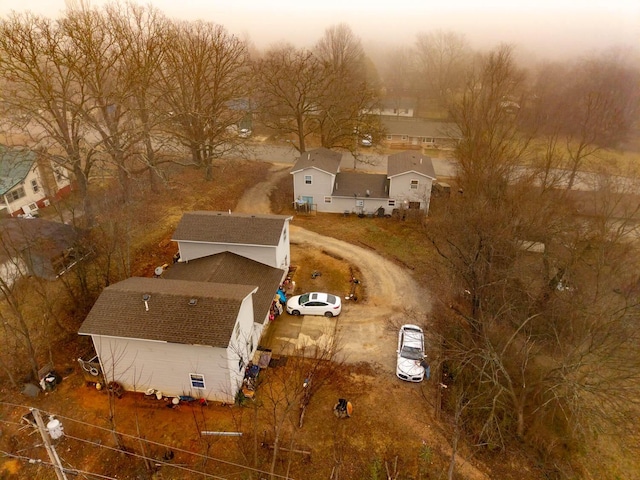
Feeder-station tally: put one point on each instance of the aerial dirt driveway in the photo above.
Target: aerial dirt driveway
(369, 330)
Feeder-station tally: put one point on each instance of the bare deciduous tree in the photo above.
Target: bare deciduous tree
(442, 58)
(38, 62)
(290, 85)
(204, 74)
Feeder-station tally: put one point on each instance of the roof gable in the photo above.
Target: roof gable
(176, 311)
(321, 158)
(15, 165)
(232, 269)
(230, 228)
(410, 161)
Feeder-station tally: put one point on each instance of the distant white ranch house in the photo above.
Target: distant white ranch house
(418, 133)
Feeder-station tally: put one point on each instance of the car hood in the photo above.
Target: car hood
(293, 302)
(409, 367)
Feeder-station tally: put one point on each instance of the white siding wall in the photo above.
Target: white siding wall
(283, 250)
(30, 196)
(262, 254)
(400, 189)
(139, 365)
(322, 184)
(241, 344)
(370, 205)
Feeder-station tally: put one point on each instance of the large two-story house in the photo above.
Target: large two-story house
(193, 329)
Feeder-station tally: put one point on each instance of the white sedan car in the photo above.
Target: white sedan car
(315, 303)
(411, 359)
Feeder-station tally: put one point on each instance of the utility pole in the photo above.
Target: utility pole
(53, 456)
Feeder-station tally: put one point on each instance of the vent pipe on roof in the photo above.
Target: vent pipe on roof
(145, 298)
(193, 301)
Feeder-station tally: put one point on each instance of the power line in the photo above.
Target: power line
(133, 454)
(150, 442)
(37, 461)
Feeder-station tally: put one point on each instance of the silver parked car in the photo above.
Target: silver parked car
(411, 358)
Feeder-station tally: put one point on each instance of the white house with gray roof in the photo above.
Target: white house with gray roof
(262, 238)
(28, 183)
(177, 336)
(320, 185)
(192, 330)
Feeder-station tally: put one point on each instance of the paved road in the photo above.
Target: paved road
(369, 161)
(445, 168)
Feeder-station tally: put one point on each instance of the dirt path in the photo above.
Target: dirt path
(256, 200)
(368, 331)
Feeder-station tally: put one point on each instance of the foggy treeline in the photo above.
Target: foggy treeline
(540, 348)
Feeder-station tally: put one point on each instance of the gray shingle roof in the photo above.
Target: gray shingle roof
(41, 238)
(14, 166)
(120, 311)
(320, 158)
(350, 183)
(233, 269)
(234, 228)
(410, 161)
(415, 127)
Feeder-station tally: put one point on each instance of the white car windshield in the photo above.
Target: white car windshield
(412, 353)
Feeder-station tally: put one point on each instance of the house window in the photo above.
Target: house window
(197, 380)
(327, 199)
(15, 195)
(307, 180)
(414, 184)
(404, 137)
(427, 140)
(389, 137)
(58, 173)
(35, 186)
(392, 203)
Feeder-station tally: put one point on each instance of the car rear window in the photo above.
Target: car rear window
(331, 298)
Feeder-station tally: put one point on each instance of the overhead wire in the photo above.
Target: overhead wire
(36, 461)
(150, 442)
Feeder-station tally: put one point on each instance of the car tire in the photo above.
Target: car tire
(328, 314)
(295, 312)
